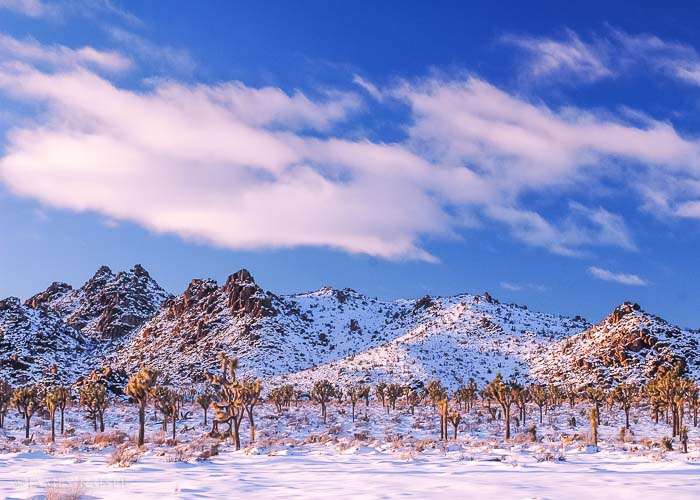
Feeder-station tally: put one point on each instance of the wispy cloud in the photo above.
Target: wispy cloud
(569, 56)
(622, 278)
(610, 54)
(513, 287)
(31, 8)
(156, 55)
(29, 50)
(59, 9)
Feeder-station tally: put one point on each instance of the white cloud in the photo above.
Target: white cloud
(569, 56)
(607, 55)
(622, 278)
(58, 55)
(57, 9)
(513, 287)
(243, 167)
(31, 8)
(161, 56)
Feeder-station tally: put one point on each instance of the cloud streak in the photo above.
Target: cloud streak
(621, 278)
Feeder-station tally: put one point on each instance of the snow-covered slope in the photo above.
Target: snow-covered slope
(340, 335)
(125, 320)
(36, 345)
(628, 345)
(451, 339)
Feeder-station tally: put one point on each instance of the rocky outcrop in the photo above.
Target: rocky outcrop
(108, 306)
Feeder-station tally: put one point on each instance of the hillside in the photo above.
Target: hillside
(126, 320)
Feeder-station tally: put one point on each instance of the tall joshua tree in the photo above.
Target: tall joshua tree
(353, 396)
(539, 395)
(503, 393)
(5, 400)
(321, 393)
(380, 391)
(27, 401)
(249, 396)
(140, 387)
(393, 392)
(435, 391)
(56, 399)
(205, 399)
(625, 394)
(455, 419)
(163, 399)
(94, 398)
(594, 419)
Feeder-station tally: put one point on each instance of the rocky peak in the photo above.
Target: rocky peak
(245, 298)
(9, 304)
(55, 291)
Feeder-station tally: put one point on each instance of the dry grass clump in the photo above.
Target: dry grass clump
(124, 455)
(201, 448)
(71, 491)
(102, 440)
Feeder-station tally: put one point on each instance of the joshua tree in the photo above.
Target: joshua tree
(413, 399)
(455, 419)
(522, 396)
(435, 391)
(625, 394)
(460, 396)
(5, 400)
(572, 393)
(249, 396)
(353, 396)
(140, 387)
(539, 396)
(56, 399)
(669, 390)
(504, 394)
(393, 392)
(229, 407)
(321, 393)
(93, 396)
(205, 399)
(595, 395)
(365, 392)
(693, 398)
(594, 419)
(472, 393)
(27, 401)
(683, 435)
(163, 398)
(442, 409)
(380, 391)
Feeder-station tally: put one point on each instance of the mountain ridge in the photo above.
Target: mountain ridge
(124, 320)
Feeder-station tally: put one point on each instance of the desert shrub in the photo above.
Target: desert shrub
(667, 443)
(124, 455)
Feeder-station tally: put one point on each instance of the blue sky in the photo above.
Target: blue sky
(398, 148)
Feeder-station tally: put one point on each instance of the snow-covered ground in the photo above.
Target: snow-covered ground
(378, 456)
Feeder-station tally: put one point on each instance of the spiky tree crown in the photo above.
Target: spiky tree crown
(142, 384)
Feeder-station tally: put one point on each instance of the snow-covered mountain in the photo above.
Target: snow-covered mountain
(108, 305)
(125, 320)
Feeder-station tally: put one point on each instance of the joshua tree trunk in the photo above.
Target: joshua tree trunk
(323, 411)
(27, 419)
(173, 422)
(353, 412)
(506, 414)
(62, 421)
(142, 422)
(627, 417)
(540, 414)
(53, 426)
(205, 416)
(236, 434)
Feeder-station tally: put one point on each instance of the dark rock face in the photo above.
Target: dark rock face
(245, 298)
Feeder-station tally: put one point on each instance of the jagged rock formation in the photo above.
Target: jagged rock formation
(108, 305)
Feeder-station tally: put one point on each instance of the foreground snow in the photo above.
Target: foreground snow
(378, 456)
